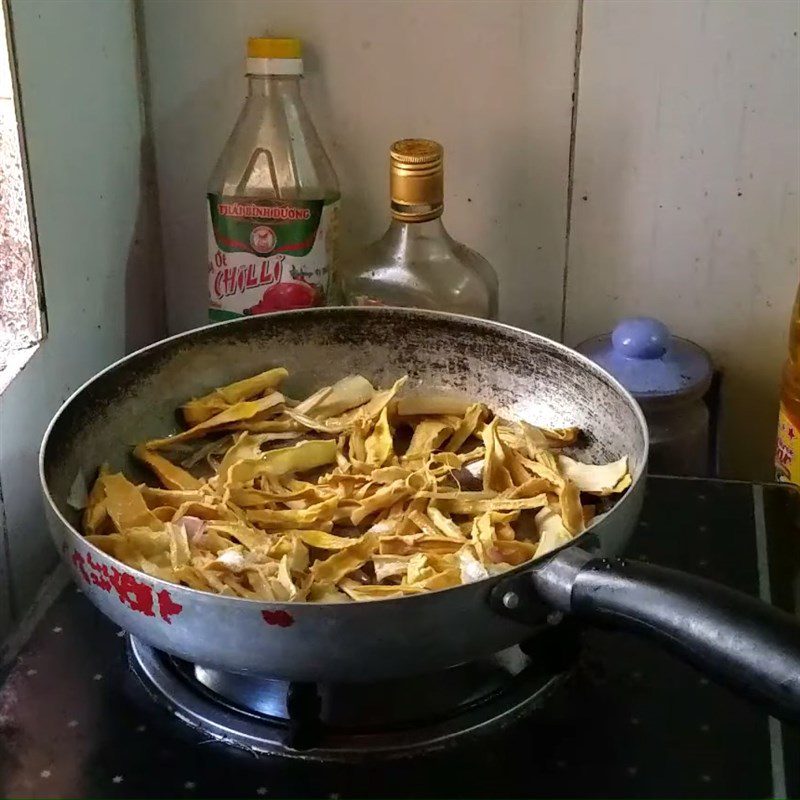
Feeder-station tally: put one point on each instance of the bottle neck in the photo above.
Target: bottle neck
(402, 232)
(287, 86)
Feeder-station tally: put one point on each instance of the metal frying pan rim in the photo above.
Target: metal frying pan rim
(589, 365)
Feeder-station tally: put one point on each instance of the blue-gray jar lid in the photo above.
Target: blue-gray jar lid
(648, 361)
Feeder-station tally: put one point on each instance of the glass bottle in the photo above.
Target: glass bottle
(787, 453)
(272, 198)
(416, 262)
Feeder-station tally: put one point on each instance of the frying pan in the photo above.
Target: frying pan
(740, 641)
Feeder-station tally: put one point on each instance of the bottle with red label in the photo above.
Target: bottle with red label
(787, 453)
(273, 198)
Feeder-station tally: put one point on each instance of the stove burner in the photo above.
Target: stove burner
(345, 721)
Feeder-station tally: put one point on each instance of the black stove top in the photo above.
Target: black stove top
(77, 721)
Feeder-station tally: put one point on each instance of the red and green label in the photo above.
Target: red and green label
(268, 255)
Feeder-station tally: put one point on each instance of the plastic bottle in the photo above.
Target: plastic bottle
(272, 198)
(416, 262)
(787, 452)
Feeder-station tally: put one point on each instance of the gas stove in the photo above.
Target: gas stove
(353, 722)
(86, 711)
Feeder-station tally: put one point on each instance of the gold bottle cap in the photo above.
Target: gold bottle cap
(416, 179)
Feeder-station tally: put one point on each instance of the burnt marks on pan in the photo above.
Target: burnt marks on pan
(465, 481)
(519, 374)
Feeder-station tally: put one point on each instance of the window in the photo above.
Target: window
(21, 318)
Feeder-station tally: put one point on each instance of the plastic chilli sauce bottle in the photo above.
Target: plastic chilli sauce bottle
(273, 197)
(416, 262)
(787, 453)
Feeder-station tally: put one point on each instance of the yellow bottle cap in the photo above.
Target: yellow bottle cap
(273, 48)
(416, 179)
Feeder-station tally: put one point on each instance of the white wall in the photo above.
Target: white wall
(83, 127)
(491, 79)
(686, 182)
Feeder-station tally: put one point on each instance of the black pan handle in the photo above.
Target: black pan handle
(739, 641)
